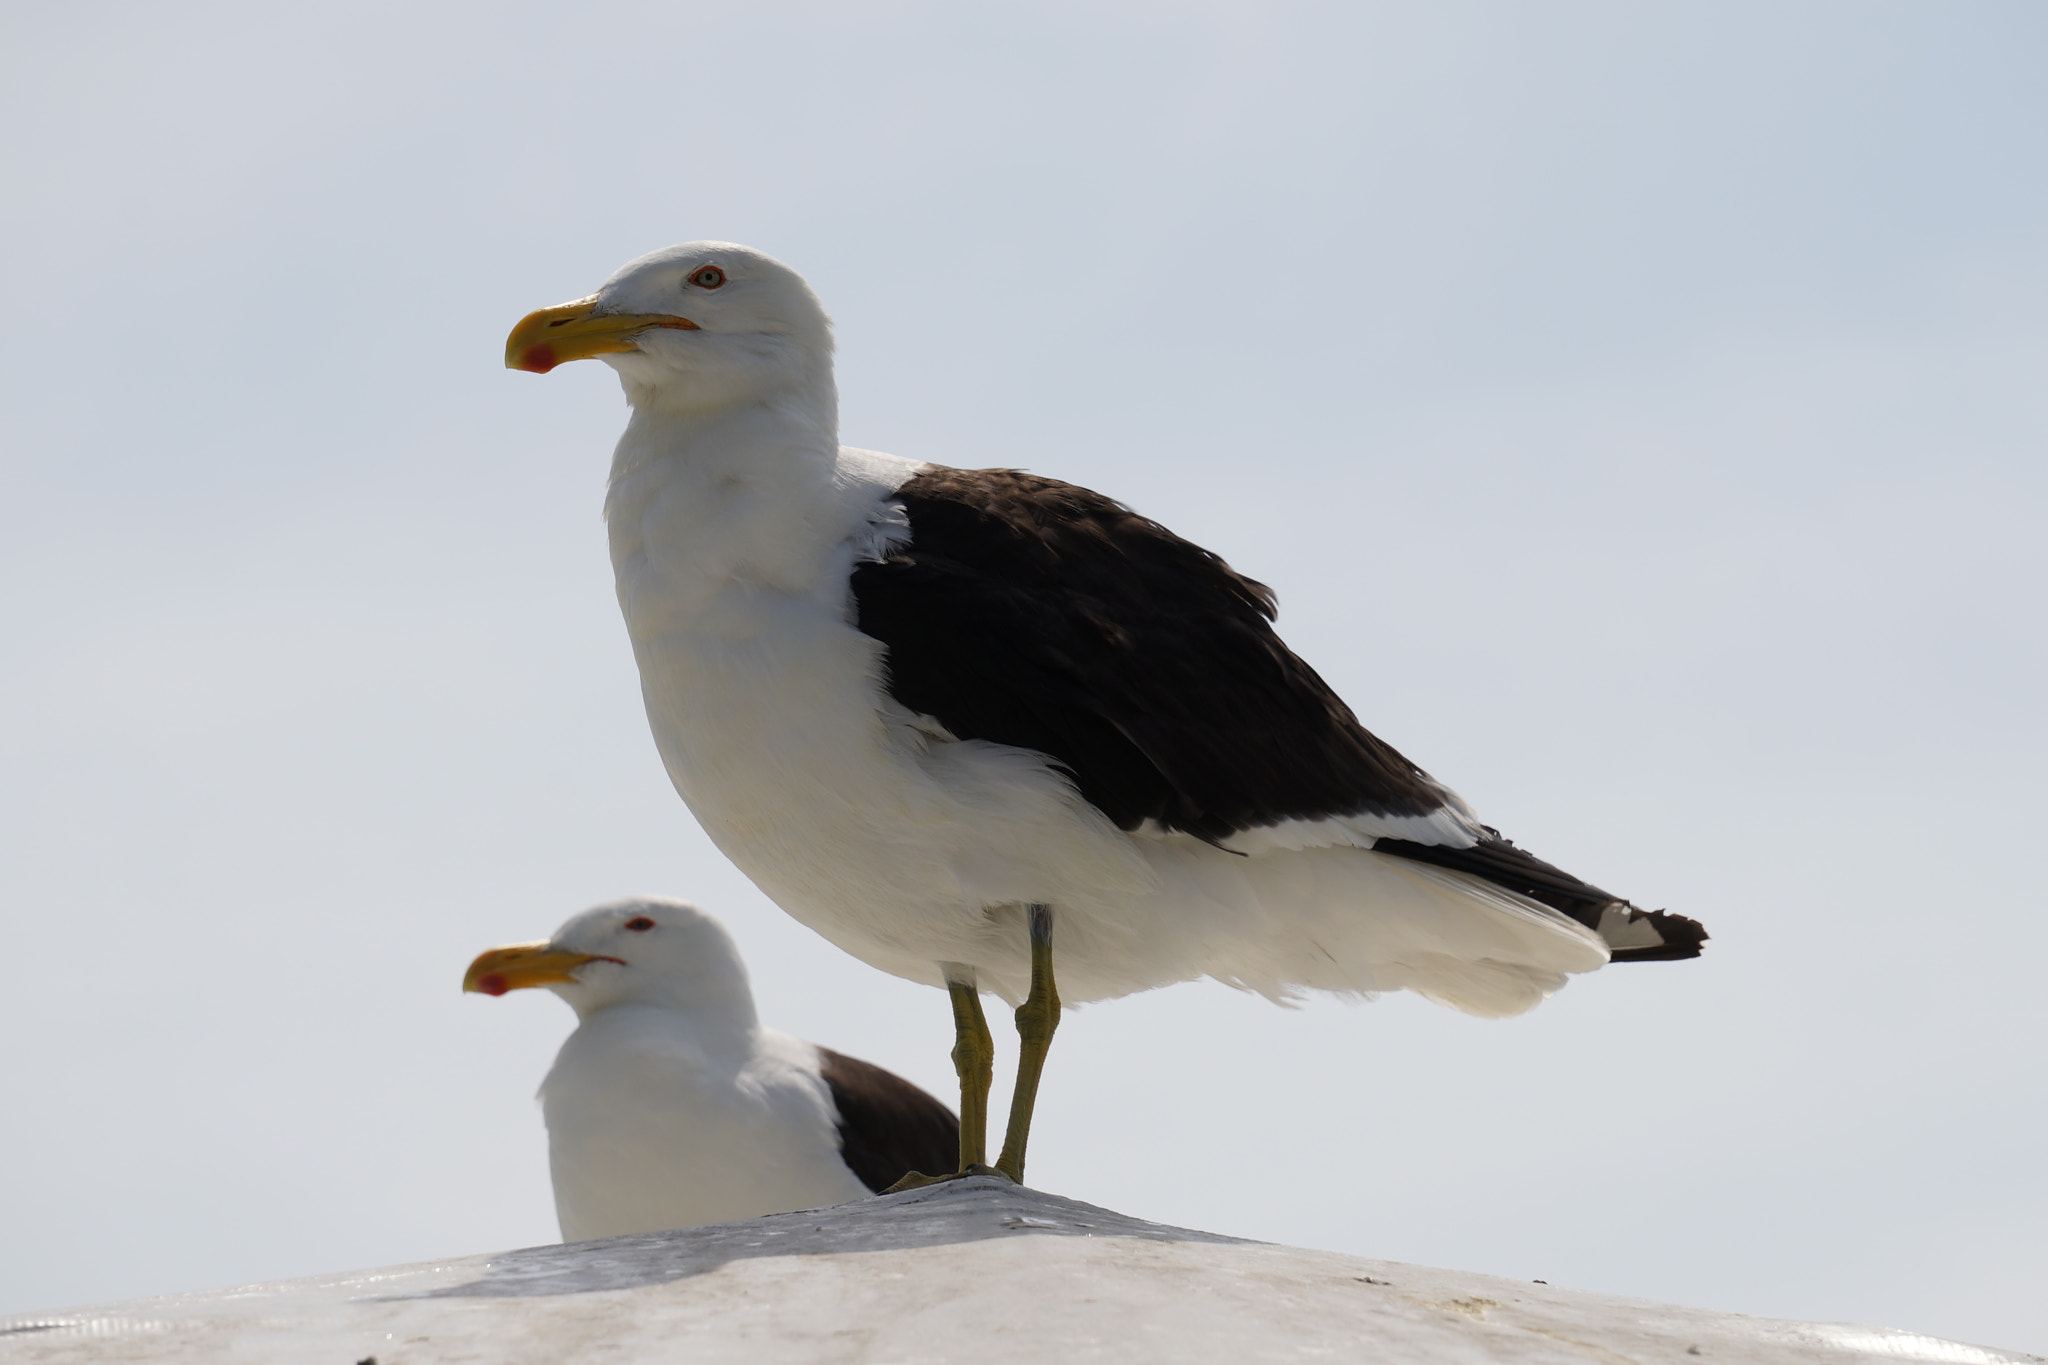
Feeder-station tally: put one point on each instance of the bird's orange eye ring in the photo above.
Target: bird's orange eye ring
(710, 277)
(639, 924)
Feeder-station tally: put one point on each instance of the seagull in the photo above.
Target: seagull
(932, 712)
(671, 1106)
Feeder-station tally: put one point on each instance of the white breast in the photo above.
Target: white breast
(647, 1130)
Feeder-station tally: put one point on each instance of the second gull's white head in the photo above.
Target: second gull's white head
(646, 950)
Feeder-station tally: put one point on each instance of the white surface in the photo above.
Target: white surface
(1682, 364)
(969, 1272)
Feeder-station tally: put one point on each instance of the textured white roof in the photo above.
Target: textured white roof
(975, 1270)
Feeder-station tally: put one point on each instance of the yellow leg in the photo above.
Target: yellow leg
(1037, 1017)
(974, 1057)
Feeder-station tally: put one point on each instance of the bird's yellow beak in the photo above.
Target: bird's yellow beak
(519, 965)
(577, 331)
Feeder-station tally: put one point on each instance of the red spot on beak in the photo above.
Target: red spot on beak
(493, 984)
(539, 359)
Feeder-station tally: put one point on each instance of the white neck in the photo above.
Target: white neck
(735, 491)
(802, 414)
(715, 1007)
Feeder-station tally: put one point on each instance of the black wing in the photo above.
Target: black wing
(887, 1126)
(1030, 612)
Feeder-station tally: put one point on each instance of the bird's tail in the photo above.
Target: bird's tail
(1648, 935)
(1632, 935)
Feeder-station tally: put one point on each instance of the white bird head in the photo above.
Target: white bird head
(646, 950)
(692, 328)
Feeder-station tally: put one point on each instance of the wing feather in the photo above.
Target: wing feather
(1030, 612)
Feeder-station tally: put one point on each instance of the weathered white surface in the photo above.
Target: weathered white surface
(975, 1270)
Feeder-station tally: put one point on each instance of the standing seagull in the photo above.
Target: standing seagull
(671, 1106)
(933, 711)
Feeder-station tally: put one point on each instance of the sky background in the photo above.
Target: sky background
(1639, 409)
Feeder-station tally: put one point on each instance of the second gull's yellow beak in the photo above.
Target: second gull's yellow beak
(519, 965)
(577, 331)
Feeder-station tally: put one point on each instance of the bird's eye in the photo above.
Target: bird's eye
(639, 924)
(710, 277)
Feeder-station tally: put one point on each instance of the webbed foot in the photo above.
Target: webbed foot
(917, 1180)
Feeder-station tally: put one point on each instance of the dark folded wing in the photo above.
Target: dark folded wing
(1030, 612)
(887, 1126)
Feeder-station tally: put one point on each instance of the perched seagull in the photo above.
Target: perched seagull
(933, 711)
(671, 1106)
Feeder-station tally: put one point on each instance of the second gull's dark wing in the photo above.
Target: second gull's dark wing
(887, 1126)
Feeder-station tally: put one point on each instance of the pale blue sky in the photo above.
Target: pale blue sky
(1639, 409)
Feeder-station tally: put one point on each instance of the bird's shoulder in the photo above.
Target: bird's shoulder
(1027, 531)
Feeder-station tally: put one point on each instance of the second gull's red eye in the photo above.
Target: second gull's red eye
(710, 277)
(639, 924)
